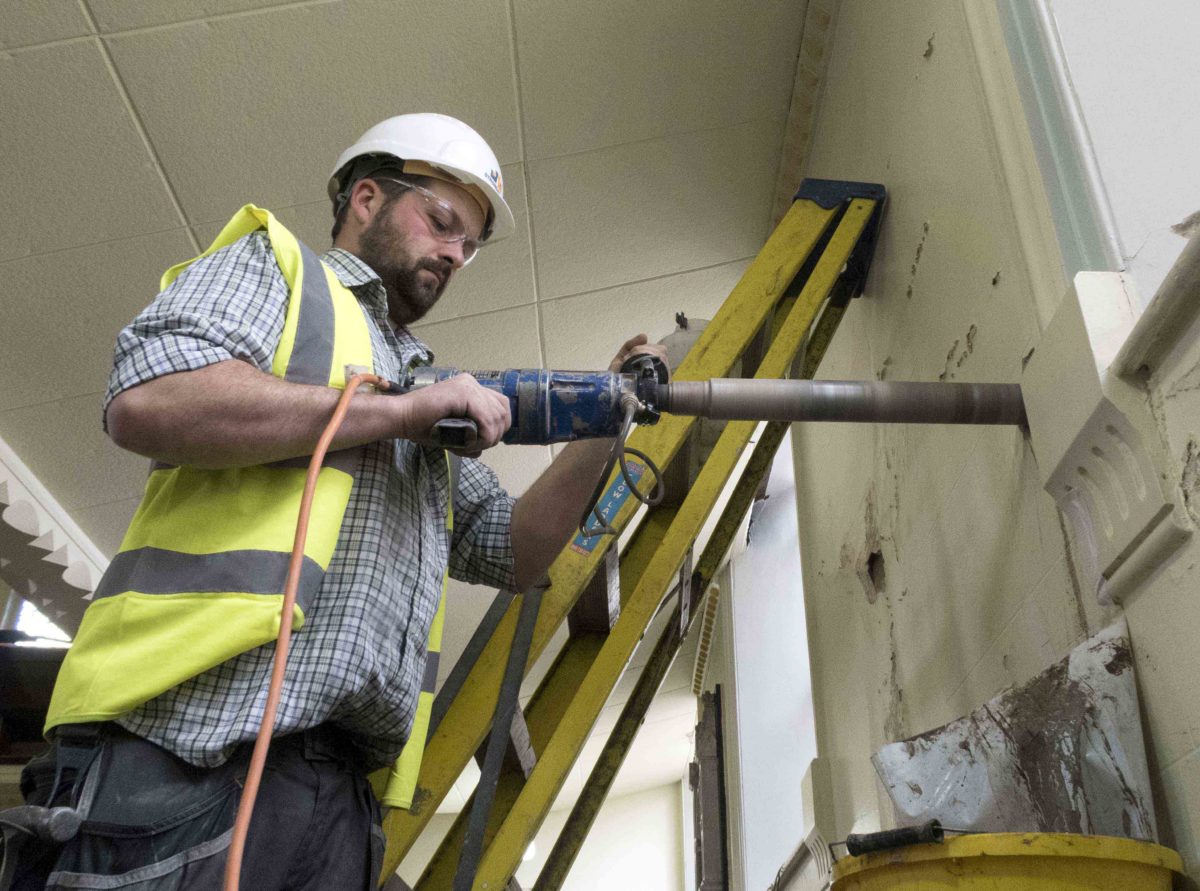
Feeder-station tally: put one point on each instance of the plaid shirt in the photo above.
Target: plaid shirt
(360, 658)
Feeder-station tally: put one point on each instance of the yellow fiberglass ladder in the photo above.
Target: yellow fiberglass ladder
(777, 321)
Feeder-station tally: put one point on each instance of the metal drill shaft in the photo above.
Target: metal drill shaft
(897, 402)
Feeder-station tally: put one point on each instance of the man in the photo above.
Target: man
(226, 381)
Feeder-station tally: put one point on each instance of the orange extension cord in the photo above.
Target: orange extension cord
(241, 826)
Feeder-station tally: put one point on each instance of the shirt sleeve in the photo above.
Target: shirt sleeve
(229, 305)
(481, 546)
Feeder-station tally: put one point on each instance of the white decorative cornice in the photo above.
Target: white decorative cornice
(44, 556)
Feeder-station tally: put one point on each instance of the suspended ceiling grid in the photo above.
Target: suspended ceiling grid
(640, 146)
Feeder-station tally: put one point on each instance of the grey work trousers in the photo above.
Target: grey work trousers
(160, 824)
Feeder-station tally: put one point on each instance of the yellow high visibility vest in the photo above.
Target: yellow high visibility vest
(199, 576)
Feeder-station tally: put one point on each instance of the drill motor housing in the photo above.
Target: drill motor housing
(560, 406)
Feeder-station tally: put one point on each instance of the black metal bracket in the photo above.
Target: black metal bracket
(831, 193)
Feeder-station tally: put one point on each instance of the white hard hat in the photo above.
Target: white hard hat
(443, 143)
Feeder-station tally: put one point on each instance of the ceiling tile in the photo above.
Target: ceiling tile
(659, 755)
(585, 331)
(537, 673)
(504, 339)
(679, 676)
(226, 138)
(121, 277)
(76, 154)
(121, 15)
(673, 707)
(671, 66)
(469, 778)
(28, 24)
(62, 443)
(105, 524)
(634, 212)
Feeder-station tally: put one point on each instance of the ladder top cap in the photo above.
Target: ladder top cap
(829, 193)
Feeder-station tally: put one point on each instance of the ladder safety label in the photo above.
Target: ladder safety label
(608, 505)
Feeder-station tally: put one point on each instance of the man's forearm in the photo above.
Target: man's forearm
(547, 515)
(232, 415)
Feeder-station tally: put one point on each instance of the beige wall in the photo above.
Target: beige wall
(979, 589)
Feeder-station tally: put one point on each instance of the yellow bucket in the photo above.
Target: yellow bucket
(1014, 861)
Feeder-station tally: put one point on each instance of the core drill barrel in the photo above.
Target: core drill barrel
(896, 402)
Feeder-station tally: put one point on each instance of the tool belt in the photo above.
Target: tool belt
(104, 804)
(68, 772)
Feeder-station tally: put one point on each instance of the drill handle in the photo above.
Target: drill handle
(455, 433)
(448, 433)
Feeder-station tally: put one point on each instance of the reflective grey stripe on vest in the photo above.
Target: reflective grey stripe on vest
(312, 351)
(159, 571)
(429, 681)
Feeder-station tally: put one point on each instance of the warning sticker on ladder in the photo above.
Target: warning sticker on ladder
(608, 506)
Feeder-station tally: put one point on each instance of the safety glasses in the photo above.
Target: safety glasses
(441, 218)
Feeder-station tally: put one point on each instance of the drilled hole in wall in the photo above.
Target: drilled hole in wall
(876, 571)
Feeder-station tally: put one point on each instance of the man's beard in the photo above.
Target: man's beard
(383, 247)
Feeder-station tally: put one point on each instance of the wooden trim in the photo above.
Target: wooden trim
(13, 468)
(44, 556)
(811, 62)
(1172, 313)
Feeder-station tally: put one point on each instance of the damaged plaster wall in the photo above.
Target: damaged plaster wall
(936, 569)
